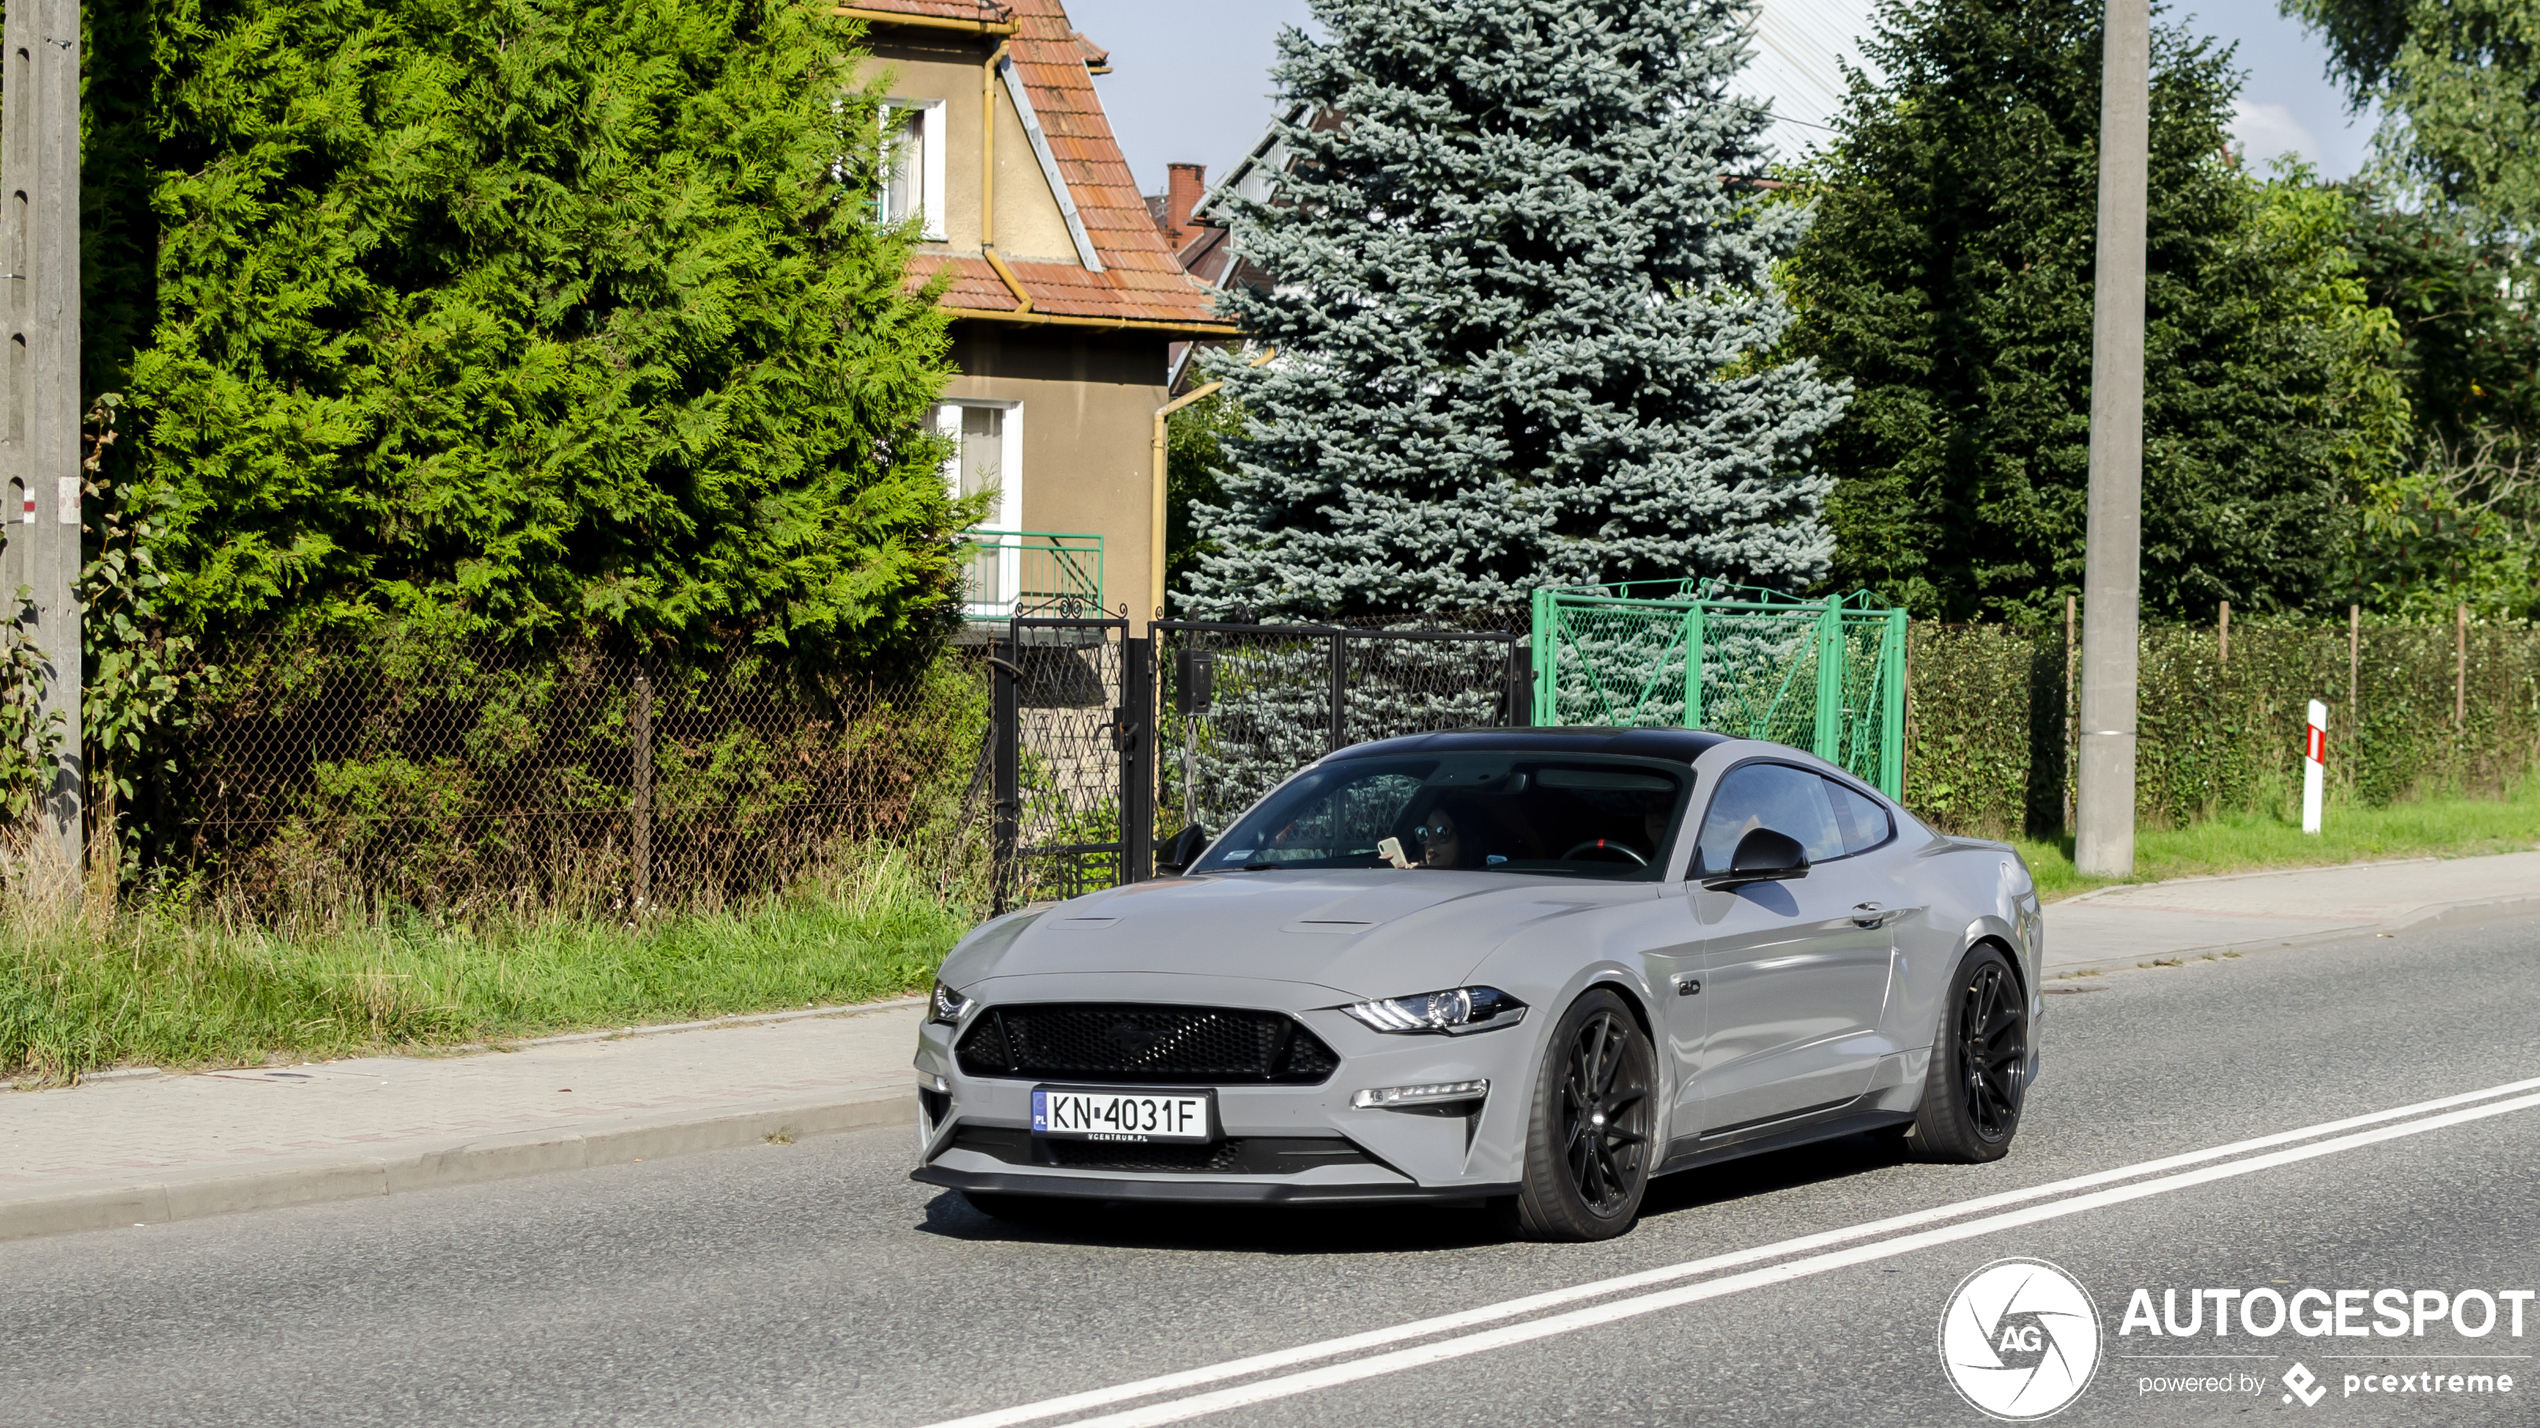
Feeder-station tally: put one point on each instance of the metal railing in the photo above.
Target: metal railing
(1031, 574)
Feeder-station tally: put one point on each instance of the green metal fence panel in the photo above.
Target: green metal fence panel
(1824, 675)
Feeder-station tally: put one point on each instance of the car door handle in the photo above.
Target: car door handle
(1867, 914)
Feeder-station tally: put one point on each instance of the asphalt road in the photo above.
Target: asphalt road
(814, 1284)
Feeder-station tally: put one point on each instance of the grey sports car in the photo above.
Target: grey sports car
(1530, 968)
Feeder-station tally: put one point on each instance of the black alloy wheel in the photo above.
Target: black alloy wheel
(1588, 1141)
(1992, 1050)
(1979, 1065)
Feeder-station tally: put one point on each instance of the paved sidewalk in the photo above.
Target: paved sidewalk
(122, 1152)
(175, 1147)
(2121, 926)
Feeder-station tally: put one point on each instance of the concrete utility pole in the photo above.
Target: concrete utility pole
(39, 385)
(2112, 575)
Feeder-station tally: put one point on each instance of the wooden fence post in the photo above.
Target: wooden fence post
(2225, 639)
(2354, 677)
(2460, 666)
(2071, 616)
(640, 741)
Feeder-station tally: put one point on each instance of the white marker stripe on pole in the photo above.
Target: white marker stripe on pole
(1179, 1410)
(1532, 1303)
(2314, 766)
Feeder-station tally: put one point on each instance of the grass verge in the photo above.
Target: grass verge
(183, 990)
(2242, 843)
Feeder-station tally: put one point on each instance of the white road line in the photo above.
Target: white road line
(1182, 1409)
(1534, 1303)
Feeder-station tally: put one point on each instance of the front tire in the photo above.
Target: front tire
(1587, 1140)
(1979, 1066)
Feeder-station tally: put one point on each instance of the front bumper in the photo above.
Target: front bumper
(1279, 1144)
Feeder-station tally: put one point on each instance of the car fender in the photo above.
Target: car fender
(1549, 1000)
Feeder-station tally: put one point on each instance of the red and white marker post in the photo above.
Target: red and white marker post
(2314, 765)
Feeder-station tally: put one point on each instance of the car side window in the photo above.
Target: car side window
(1863, 824)
(1776, 796)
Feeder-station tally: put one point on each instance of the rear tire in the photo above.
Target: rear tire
(1587, 1140)
(1979, 1066)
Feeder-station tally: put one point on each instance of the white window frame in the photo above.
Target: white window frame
(930, 168)
(1009, 517)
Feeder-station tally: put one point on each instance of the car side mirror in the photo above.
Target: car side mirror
(1182, 849)
(1762, 856)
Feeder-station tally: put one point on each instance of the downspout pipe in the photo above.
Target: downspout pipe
(988, 177)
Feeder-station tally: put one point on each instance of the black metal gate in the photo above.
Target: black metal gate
(1101, 741)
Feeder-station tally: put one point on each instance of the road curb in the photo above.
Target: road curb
(501, 1157)
(570, 1038)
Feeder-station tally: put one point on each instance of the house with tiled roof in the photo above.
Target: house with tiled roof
(1065, 298)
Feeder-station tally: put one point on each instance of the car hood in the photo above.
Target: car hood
(1357, 932)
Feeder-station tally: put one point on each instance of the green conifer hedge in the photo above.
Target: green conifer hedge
(521, 317)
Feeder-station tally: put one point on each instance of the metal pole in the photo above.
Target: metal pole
(640, 748)
(1137, 758)
(1005, 776)
(2103, 844)
(39, 414)
(1340, 692)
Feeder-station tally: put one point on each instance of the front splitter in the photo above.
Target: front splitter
(1222, 1192)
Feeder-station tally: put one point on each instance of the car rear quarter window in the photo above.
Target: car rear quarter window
(1858, 818)
(1787, 800)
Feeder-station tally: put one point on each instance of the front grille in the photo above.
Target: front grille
(1138, 1044)
(1237, 1155)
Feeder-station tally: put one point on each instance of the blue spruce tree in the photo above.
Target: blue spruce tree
(1521, 301)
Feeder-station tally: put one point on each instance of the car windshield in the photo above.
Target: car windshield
(1556, 815)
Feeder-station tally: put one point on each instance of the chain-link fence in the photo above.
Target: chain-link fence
(1824, 675)
(355, 776)
(2413, 710)
(454, 776)
(1245, 705)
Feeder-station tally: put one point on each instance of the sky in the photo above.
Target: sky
(1191, 81)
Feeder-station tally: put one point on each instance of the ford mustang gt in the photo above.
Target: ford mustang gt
(1529, 968)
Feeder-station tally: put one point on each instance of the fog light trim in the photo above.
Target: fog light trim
(1435, 1093)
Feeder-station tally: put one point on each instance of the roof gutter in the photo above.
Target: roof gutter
(923, 22)
(1124, 324)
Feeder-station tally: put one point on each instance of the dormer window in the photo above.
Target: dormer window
(913, 165)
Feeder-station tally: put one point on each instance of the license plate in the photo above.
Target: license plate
(1121, 1115)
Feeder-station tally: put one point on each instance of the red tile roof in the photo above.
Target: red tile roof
(1139, 281)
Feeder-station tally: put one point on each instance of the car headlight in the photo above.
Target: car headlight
(1454, 1013)
(947, 1007)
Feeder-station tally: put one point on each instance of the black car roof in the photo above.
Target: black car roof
(1684, 745)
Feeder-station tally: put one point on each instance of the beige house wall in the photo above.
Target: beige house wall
(1029, 223)
(1088, 412)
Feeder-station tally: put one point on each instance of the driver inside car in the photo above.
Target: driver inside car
(1447, 840)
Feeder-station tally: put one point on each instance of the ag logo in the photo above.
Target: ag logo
(2020, 1339)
